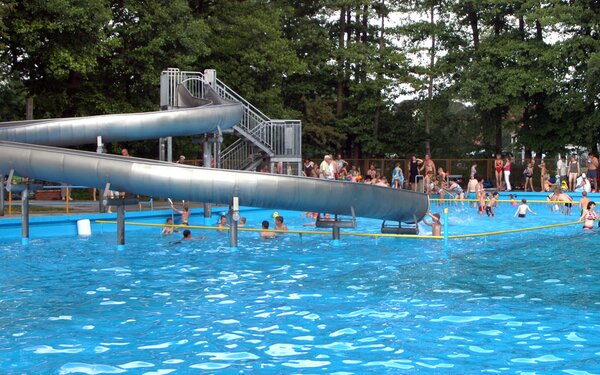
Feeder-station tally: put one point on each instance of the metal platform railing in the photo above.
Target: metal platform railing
(260, 136)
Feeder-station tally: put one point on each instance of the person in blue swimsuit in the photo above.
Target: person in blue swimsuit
(397, 177)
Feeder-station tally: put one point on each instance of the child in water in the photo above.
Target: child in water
(435, 224)
(523, 208)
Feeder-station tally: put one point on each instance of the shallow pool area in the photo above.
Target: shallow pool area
(525, 302)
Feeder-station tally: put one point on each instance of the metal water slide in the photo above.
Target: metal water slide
(32, 157)
(163, 179)
(78, 131)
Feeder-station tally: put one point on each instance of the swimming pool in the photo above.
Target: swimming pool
(526, 302)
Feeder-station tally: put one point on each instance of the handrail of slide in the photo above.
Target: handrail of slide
(177, 181)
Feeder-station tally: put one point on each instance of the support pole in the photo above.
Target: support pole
(121, 226)
(234, 216)
(25, 216)
(100, 150)
(445, 232)
(2, 193)
(206, 160)
(336, 233)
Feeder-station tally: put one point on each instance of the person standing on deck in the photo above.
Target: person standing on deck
(498, 164)
(574, 172)
(506, 169)
(413, 167)
(592, 173)
(543, 172)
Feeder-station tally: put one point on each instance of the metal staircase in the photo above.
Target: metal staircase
(261, 139)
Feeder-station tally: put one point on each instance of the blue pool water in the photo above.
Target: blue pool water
(519, 303)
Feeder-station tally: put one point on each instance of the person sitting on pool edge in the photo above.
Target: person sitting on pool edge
(266, 234)
(187, 236)
(168, 228)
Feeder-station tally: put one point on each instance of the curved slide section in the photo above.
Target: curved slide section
(123, 127)
(162, 179)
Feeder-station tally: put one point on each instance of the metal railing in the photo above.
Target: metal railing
(282, 138)
(238, 155)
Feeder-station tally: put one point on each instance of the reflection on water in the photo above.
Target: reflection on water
(527, 303)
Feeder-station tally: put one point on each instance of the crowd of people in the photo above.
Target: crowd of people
(481, 194)
(568, 177)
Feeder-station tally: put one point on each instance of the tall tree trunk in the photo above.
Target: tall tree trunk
(474, 23)
(341, 65)
(377, 116)
(430, 85)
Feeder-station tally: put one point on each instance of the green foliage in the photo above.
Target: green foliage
(499, 67)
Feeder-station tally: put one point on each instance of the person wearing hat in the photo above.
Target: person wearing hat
(584, 184)
(181, 159)
(548, 184)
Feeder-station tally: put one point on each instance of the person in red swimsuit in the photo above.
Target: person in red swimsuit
(498, 164)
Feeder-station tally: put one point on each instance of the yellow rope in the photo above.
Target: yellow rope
(273, 230)
(500, 200)
(354, 234)
(513, 230)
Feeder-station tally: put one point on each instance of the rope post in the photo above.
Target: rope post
(445, 232)
(1, 193)
(336, 236)
(25, 216)
(121, 227)
(67, 195)
(234, 216)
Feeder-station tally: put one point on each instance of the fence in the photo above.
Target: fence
(460, 167)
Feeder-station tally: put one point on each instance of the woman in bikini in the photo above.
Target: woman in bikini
(589, 216)
(498, 164)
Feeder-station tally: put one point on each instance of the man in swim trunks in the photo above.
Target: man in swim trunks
(592, 173)
(559, 196)
(184, 212)
(428, 170)
(472, 191)
(523, 209)
(583, 202)
(491, 203)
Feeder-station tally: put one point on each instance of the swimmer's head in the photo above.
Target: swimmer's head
(242, 220)
(279, 219)
(591, 204)
(187, 233)
(584, 193)
(265, 224)
(523, 200)
(169, 220)
(495, 194)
